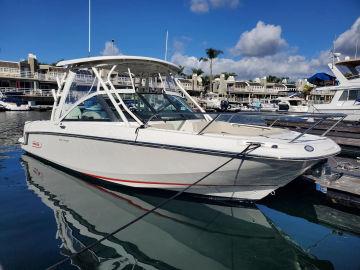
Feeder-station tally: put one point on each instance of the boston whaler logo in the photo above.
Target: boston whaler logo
(36, 144)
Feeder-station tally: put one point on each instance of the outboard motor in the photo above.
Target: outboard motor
(224, 105)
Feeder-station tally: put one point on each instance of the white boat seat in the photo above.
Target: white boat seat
(218, 128)
(92, 115)
(74, 114)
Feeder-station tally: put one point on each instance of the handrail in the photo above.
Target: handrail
(322, 117)
(307, 130)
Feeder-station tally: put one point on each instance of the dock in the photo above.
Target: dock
(343, 184)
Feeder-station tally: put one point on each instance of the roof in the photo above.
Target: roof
(349, 62)
(9, 64)
(320, 78)
(137, 64)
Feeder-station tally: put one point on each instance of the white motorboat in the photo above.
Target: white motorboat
(269, 105)
(214, 101)
(347, 93)
(151, 138)
(13, 104)
(292, 104)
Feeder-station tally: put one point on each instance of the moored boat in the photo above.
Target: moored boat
(151, 138)
(13, 104)
(346, 98)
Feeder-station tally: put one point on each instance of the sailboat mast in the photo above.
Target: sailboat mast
(166, 44)
(89, 22)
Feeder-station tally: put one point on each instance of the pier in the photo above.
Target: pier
(342, 185)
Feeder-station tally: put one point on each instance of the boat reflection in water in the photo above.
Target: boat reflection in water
(184, 234)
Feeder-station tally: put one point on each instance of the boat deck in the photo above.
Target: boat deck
(346, 134)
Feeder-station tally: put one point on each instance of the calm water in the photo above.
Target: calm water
(47, 214)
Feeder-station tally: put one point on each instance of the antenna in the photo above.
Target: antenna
(166, 44)
(113, 47)
(356, 46)
(333, 52)
(89, 48)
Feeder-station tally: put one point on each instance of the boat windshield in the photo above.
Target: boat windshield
(156, 106)
(295, 102)
(146, 106)
(160, 106)
(350, 70)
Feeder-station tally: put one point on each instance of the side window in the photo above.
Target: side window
(354, 94)
(92, 109)
(344, 96)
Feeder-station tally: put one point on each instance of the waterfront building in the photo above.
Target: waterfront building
(193, 86)
(246, 91)
(29, 77)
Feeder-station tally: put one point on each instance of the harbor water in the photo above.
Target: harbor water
(47, 215)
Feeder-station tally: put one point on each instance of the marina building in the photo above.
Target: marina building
(29, 77)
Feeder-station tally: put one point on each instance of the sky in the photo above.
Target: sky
(258, 38)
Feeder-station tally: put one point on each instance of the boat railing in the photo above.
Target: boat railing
(315, 118)
(26, 91)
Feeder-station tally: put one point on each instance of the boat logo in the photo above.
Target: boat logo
(36, 144)
(309, 148)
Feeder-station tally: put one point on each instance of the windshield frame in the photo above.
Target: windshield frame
(175, 101)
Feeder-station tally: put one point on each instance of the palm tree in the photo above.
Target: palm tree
(197, 71)
(228, 74)
(181, 71)
(211, 55)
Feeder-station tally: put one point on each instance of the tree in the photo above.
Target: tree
(181, 71)
(205, 82)
(307, 89)
(197, 71)
(211, 55)
(273, 79)
(228, 74)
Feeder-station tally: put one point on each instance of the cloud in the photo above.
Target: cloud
(264, 52)
(282, 64)
(346, 42)
(263, 40)
(203, 6)
(110, 49)
(180, 43)
(199, 6)
(224, 3)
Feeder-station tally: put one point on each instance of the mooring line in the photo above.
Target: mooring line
(249, 148)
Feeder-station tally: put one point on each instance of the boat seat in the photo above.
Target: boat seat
(74, 114)
(230, 128)
(219, 128)
(93, 115)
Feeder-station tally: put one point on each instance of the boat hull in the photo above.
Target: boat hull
(353, 113)
(134, 165)
(14, 107)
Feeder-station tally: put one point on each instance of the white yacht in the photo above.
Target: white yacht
(150, 138)
(214, 101)
(12, 104)
(347, 93)
(269, 105)
(292, 104)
